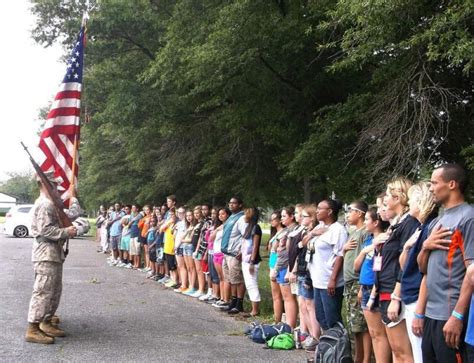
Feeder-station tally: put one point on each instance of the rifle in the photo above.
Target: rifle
(53, 195)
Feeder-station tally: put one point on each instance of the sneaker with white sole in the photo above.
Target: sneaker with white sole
(189, 292)
(197, 294)
(205, 297)
(212, 300)
(221, 304)
(164, 280)
(310, 344)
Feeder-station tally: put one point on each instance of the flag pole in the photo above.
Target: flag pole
(72, 180)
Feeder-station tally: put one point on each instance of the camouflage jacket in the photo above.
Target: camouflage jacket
(49, 237)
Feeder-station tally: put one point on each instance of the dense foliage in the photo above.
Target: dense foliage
(22, 186)
(277, 101)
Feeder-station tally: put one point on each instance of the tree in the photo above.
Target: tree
(276, 101)
(20, 185)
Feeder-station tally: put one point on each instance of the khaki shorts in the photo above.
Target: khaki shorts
(355, 316)
(134, 246)
(232, 268)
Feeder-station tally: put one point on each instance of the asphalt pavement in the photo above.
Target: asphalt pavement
(115, 314)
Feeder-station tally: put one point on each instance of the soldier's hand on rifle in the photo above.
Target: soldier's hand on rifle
(71, 231)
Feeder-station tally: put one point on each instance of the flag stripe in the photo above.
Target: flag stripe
(65, 130)
(61, 121)
(68, 94)
(65, 111)
(66, 103)
(70, 86)
(62, 126)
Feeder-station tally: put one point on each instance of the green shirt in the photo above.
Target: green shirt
(358, 235)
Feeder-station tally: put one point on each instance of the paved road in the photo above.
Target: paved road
(117, 315)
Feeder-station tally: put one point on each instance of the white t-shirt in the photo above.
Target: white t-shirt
(328, 246)
(180, 232)
(217, 241)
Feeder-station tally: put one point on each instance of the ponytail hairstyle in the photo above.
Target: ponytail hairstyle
(420, 195)
(290, 211)
(335, 205)
(398, 187)
(253, 215)
(382, 225)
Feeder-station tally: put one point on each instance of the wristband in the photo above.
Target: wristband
(419, 316)
(457, 315)
(395, 297)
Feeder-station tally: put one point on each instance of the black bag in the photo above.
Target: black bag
(334, 346)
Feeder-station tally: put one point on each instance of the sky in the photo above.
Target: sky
(29, 78)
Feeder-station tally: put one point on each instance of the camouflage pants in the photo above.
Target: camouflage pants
(354, 314)
(46, 291)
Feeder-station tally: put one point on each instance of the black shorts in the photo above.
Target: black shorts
(434, 346)
(152, 254)
(142, 240)
(171, 261)
(383, 311)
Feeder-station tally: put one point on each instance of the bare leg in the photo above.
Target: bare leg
(277, 301)
(382, 350)
(313, 323)
(200, 275)
(291, 308)
(400, 343)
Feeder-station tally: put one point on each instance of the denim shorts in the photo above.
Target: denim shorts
(179, 251)
(366, 290)
(305, 291)
(281, 277)
(188, 249)
(212, 269)
(115, 242)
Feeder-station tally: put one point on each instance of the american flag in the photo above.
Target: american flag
(59, 139)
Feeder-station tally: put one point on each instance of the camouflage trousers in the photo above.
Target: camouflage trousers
(354, 314)
(46, 291)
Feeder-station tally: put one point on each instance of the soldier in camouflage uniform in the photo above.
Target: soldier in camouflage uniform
(48, 258)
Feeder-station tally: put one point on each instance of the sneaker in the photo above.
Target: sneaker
(156, 278)
(212, 300)
(164, 280)
(170, 283)
(310, 344)
(180, 289)
(205, 297)
(197, 294)
(128, 266)
(189, 292)
(221, 304)
(149, 275)
(233, 311)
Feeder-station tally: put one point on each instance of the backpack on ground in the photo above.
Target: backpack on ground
(334, 346)
(282, 341)
(264, 332)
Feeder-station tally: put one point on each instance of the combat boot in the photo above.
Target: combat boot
(55, 320)
(35, 335)
(51, 330)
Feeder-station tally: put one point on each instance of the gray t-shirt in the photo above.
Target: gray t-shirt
(446, 269)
